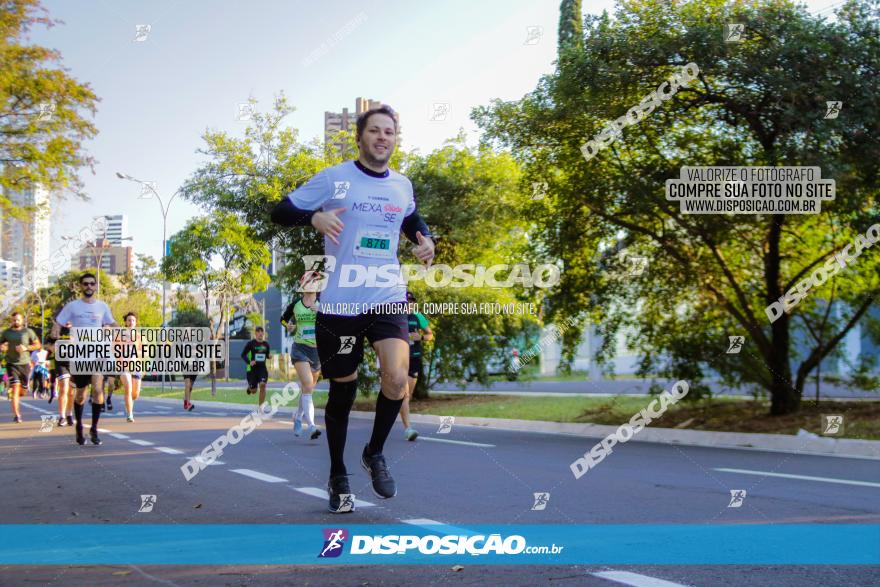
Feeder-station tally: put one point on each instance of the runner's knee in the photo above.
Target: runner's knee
(395, 385)
(340, 399)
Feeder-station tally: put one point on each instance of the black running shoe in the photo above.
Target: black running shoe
(93, 434)
(70, 420)
(383, 484)
(80, 439)
(109, 405)
(341, 497)
(61, 422)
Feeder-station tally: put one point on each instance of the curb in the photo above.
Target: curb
(815, 446)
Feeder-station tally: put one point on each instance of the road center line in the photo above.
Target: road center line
(431, 439)
(259, 476)
(141, 442)
(170, 451)
(803, 477)
(634, 579)
(119, 436)
(432, 525)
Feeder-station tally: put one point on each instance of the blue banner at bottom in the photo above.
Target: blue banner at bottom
(275, 544)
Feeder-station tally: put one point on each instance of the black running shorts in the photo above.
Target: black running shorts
(18, 374)
(341, 338)
(258, 374)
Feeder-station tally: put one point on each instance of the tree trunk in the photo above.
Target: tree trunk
(785, 397)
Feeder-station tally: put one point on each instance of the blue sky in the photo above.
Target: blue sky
(202, 58)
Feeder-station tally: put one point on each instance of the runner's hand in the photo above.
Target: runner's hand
(20, 348)
(253, 363)
(424, 251)
(328, 223)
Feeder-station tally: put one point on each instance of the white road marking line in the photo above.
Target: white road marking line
(635, 579)
(170, 451)
(214, 413)
(199, 459)
(431, 525)
(119, 436)
(26, 404)
(141, 442)
(428, 438)
(803, 477)
(322, 493)
(103, 431)
(260, 476)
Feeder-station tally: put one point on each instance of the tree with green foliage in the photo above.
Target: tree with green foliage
(473, 200)
(571, 30)
(759, 102)
(224, 258)
(246, 176)
(146, 304)
(190, 317)
(42, 129)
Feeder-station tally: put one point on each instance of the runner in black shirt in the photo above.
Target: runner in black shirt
(255, 354)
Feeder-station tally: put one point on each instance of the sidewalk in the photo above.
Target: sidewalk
(838, 447)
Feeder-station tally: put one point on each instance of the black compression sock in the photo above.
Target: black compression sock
(339, 403)
(78, 414)
(386, 414)
(96, 415)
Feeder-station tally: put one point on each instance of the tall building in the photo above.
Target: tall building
(10, 275)
(116, 229)
(114, 260)
(336, 121)
(26, 242)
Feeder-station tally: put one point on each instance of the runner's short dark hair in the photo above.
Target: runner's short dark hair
(124, 318)
(365, 116)
(86, 276)
(258, 329)
(14, 314)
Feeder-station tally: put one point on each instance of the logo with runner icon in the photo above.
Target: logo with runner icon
(147, 503)
(832, 424)
(446, 423)
(541, 501)
(737, 497)
(346, 345)
(340, 189)
(47, 423)
(334, 540)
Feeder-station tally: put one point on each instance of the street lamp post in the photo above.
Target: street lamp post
(164, 208)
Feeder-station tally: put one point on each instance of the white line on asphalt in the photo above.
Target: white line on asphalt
(170, 451)
(214, 413)
(457, 442)
(258, 475)
(141, 442)
(199, 459)
(103, 431)
(119, 436)
(27, 405)
(803, 477)
(317, 492)
(635, 579)
(431, 525)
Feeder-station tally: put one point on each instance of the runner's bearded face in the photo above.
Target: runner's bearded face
(88, 288)
(378, 140)
(17, 321)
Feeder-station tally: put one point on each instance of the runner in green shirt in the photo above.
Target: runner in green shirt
(304, 351)
(19, 342)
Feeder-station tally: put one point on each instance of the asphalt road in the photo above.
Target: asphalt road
(482, 476)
